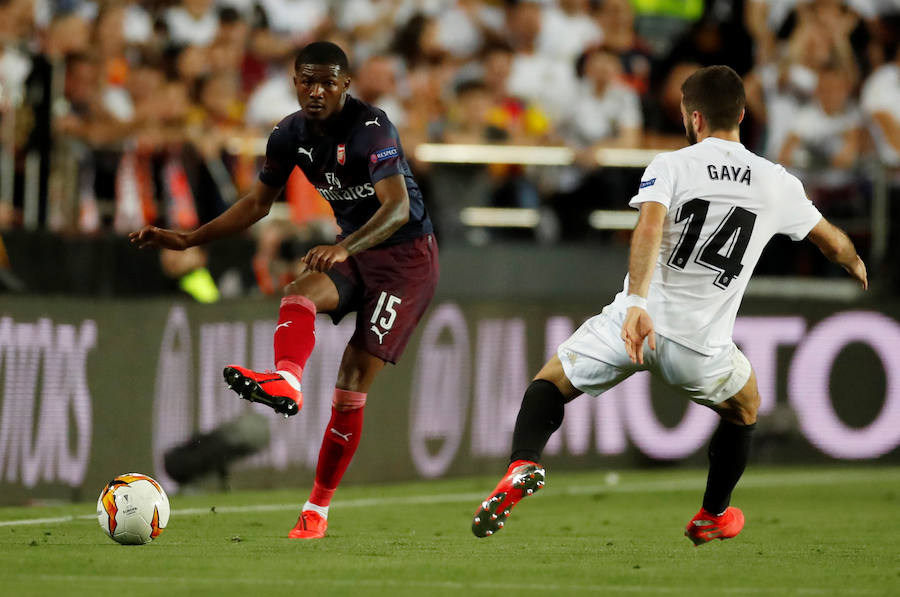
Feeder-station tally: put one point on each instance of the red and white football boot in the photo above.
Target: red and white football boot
(704, 527)
(267, 388)
(522, 479)
(310, 525)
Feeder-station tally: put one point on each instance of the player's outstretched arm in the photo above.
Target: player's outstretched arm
(837, 247)
(645, 242)
(240, 216)
(393, 213)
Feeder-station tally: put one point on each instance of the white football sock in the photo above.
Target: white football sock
(323, 510)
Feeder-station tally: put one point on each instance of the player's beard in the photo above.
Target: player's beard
(690, 133)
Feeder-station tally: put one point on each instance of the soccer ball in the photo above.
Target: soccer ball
(133, 509)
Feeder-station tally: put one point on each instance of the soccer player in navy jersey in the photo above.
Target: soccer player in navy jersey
(383, 265)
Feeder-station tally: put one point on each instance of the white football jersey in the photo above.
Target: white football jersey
(724, 204)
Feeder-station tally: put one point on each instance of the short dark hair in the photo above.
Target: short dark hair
(469, 86)
(582, 59)
(496, 46)
(717, 92)
(323, 52)
(228, 15)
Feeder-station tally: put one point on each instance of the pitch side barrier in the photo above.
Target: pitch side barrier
(93, 388)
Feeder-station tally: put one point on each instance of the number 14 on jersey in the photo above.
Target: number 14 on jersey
(723, 250)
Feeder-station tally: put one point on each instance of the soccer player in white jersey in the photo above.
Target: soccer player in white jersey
(706, 212)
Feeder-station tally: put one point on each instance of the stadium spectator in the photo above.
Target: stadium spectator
(514, 119)
(466, 25)
(825, 137)
(417, 43)
(709, 41)
(232, 50)
(776, 90)
(273, 98)
(95, 117)
(217, 117)
(469, 117)
(616, 21)
(137, 24)
(375, 82)
(881, 104)
(369, 23)
(769, 22)
(567, 29)
(299, 20)
(110, 44)
(822, 149)
(605, 111)
(144, 84)
(427, 83)
(188, 63)
(536, 77)
(192, 23)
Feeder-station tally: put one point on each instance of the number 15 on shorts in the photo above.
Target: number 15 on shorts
(386, 303)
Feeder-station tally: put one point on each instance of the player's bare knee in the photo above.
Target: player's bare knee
(754, 405)
(293, 289)
(741, 409)
(358, 370)
(749, 408)
(745, 417)
(317, 288)
(744, 411)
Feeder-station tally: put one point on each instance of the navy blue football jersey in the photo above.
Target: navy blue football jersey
(359, 148)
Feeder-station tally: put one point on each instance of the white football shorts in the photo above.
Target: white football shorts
(594, 359)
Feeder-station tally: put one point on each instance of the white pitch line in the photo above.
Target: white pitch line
(551, 588)
(750, 482)
(12, 523)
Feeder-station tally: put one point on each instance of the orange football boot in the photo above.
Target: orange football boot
(705, 527)
(267, 388)
(310, 525)
(522, 479)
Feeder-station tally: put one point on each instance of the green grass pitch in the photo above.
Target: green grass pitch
(812, 531)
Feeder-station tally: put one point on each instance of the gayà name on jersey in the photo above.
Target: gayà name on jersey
(730, 173)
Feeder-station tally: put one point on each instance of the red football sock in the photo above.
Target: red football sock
(295, 334)
(339, 444)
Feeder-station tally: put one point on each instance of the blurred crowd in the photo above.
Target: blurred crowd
(120, 113)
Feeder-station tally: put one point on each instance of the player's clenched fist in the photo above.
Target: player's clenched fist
(151, 236)
(322, 257)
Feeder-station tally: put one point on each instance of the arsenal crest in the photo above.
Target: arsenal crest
(341, 153)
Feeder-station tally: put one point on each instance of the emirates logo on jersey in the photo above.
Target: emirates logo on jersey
(341, 153)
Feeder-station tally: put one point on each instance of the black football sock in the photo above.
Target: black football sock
(540, 415)
(729, 450)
